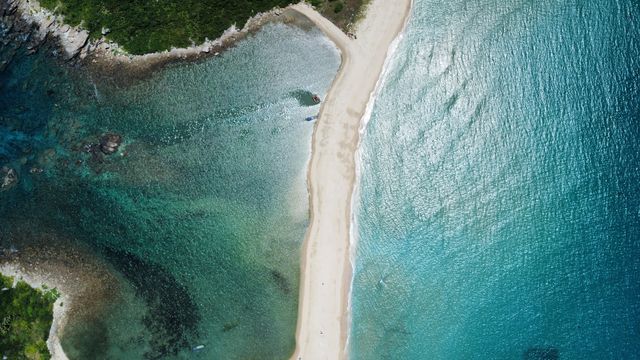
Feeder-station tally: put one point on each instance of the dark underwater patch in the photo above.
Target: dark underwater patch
(281, 281)
(541, 353)
(90, 337)
(304, 97)
(451, 102)
(173, 315)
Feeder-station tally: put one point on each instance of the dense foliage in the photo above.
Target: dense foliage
(25, 319)
(343, 13)
(145, 26)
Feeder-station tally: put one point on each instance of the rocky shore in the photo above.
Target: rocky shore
(85, 285)
(27, 20)
(36, 26)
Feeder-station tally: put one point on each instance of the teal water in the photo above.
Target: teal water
(498, 214)
(202, 211)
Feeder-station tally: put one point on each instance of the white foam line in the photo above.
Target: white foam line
(366, 117)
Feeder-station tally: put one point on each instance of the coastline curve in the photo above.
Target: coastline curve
(326, 270)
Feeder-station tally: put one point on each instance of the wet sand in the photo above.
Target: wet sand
(326, 270)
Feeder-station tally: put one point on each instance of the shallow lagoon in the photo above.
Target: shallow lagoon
(201, 212)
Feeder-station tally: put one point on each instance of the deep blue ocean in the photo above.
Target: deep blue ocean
(200, 213)
(498, 210)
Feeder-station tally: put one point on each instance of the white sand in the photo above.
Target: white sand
(323, 319)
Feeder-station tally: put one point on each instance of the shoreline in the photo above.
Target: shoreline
(353, 236)
(323, 314)
(85, 284)
(326, 266)
(60, 307)
(76, 41)
(108, 57)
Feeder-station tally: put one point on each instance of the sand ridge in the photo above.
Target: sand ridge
(326, 269)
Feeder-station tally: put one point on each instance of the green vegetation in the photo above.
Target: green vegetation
(25, 319)
(343, 13)
(145, 26)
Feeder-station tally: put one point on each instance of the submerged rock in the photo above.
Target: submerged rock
(281, 281)
(109, 143)
(229, 326)
(9, 178)
(541, 353)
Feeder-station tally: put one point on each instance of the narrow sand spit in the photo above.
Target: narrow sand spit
(323, 315)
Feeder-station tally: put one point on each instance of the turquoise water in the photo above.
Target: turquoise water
(498, 214)
(202, 211)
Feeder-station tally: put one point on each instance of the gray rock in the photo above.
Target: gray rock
(75, 42)
(109, 143)
(48, 23)
(8, 178)
(13, 8)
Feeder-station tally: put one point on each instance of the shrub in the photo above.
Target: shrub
(25, 319)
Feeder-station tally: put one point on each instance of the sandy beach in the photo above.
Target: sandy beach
(326, 270)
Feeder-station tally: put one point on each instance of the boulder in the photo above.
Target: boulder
(8, 178)
(74, 42)
(109, 143)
